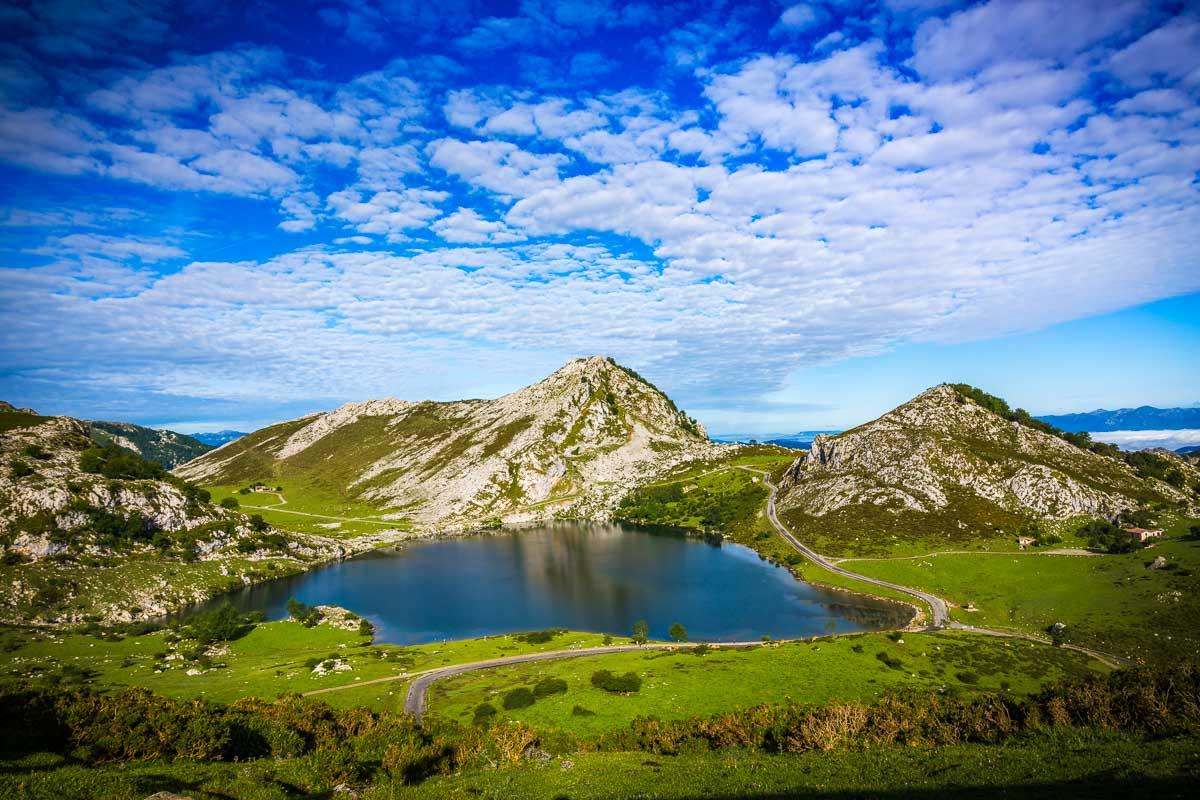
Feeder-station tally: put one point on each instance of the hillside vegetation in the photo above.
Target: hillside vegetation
(93, 531)
(957, 468)
(166, 448)
(568, 446)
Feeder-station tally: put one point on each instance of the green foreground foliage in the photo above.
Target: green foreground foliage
(71, 742)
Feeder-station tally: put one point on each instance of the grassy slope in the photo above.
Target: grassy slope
(120, 579)
(267, 662)
(682, 684)
(1111, 602)
(1082, 764)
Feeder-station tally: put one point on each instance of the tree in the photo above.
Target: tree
(641, 632)
(222, 624)
(306, 615)
(678, 632)
(229, 502)
(257, 523)
(1193, 534)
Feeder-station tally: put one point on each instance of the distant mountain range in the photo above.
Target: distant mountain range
(217, 438)
(801, 440)
(1142, 418)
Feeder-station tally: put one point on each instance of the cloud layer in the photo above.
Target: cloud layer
(716, 195)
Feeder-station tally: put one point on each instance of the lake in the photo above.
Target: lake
(581, 576)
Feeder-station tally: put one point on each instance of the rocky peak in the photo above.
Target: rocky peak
(942, 443)
(570, 443)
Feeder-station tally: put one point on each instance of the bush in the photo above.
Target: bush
(540, 637)
(549, 686)
(365, 628)
(520, 697)
(257, 523)
(36, 452)
(889, 660)
(222, 624)
(306, 615)
(618, 684)
(21, 470)
(117, 463)
(484, 713)
(967, 677)
(1103, 535)
(230, 502)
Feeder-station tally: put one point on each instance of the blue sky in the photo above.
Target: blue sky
(788, 215)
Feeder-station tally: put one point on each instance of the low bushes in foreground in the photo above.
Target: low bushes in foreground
(353, 744)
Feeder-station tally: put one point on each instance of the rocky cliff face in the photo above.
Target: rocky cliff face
(927, 454)
(569, 445)
(119, 547)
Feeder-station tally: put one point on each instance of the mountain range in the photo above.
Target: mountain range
(1142, 418)
(216, 438)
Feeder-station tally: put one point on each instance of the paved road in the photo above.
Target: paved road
(414, 701)
(938, 608)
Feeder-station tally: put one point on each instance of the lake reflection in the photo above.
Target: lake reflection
(582, 576)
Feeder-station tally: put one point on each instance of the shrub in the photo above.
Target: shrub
(540, 637)
(306, 615)
(230, 502)
(520, 697)
(257, 523)
(549, 686)
(967, 677)
(21, 470)
(365, 628)
(1103, 535)
(222, 624)
(117, 463)
(484, 713)
(37, 452)
(618, 684)
(889, 660)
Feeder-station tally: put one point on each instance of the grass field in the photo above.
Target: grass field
(268, 661)
(676, 685)
(311, 510)
(1069, 764)
(1114, 603)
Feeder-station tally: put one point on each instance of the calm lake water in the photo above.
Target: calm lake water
(581, 576)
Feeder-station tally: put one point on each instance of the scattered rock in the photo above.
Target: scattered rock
(1158, 563)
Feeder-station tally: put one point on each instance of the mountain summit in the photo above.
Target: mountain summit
(570, 445)
(955, 463)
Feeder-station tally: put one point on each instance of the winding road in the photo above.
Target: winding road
(415, 700)
(939, 609)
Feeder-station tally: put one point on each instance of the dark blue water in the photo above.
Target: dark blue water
(581, 576)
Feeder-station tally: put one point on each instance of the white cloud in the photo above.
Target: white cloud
(1012, 30)
(1145, 440)
(388, 214)
(498, 166)
(466, 226)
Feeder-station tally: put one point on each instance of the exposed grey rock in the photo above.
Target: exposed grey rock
(925, 452)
